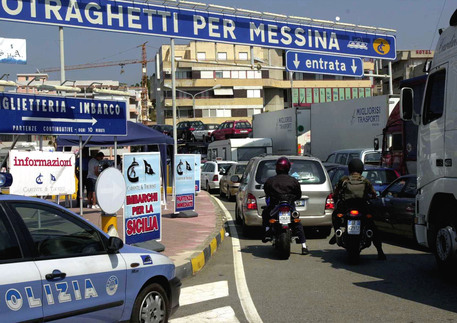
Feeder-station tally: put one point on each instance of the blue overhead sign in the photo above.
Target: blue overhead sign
(57, 115)
(324, 64)
(145, 18)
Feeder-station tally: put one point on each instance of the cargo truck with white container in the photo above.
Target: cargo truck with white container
(287, 128)
(348, 124)
(436, 199)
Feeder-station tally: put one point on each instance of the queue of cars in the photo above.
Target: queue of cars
(393, 209)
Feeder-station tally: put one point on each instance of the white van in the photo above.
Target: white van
(367, 155)
(242, 149)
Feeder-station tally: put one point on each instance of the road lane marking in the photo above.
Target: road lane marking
(221, 315)
(247, 304)
(203, 293)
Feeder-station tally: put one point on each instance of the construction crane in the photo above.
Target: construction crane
(94, 65)
(144, 77)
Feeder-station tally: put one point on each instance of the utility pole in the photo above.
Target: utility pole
(144, 85)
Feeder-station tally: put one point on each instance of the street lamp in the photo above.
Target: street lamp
(217, 86)
(6, 82)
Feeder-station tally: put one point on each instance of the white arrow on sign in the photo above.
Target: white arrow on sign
(93, 120)
(296, 61)
(354, 67)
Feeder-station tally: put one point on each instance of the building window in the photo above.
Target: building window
(207, 74)
(183, 74)
(242, 74)
(226, 74)
(243, 56)
(235, 74)
(222, 56)
(219, 74)
(209, 113)
(201, 56)
(250, 74)
(253, 93)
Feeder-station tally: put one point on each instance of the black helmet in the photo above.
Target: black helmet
(282, 165)
(355, 166)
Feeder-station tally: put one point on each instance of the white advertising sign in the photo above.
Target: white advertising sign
(13, 51)
(40, 173)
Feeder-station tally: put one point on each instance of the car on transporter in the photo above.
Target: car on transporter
(316, 203)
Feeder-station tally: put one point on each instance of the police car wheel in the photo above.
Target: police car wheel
(151, 305)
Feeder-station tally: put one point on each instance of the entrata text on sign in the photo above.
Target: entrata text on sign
(36, 114)
(144, 18)
(324, 64)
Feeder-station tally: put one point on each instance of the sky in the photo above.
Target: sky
(416, 21)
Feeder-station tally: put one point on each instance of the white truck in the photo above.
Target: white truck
(288, 129)
(239, 149)
(436, 200)
(348, 124)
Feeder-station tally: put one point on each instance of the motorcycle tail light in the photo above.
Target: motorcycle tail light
(340, 215)
(369, 216)
(215, 178)
(272, 221)
(354, 213)
(329, 203)
(251, 203)
(284, 209)
(297, 220)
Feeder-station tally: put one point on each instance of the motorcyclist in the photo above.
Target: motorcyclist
(343, 196)
(282, 187)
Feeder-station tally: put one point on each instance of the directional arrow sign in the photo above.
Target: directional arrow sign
(57, 115)
(324, 64)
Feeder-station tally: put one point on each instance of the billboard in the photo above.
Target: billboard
(142, 209)
(13, 51)
(39, 173)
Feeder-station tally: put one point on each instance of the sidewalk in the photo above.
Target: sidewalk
(189, 242)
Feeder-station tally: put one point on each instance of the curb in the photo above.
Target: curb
(198, 260)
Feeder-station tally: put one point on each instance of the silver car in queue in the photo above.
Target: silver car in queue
(315, 206)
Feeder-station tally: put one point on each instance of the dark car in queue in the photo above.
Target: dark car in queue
(393, 210)
(58, 266)
(184, 129)
(166, 129)
(380, 177)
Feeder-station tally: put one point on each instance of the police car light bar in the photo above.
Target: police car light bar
(6, 179)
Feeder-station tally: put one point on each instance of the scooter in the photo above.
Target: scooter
(354, 233)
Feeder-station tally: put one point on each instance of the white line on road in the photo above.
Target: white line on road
(203, 293)
(242, 288)
(221, 315)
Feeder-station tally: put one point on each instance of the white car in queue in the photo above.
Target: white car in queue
(57, 266)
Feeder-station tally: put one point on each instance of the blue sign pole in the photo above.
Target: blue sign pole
(324, 64)
(173, 22)
(57, 115)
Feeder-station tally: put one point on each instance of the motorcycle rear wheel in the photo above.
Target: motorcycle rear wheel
(283, 244)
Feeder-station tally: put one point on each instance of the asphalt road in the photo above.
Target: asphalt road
(322, 286)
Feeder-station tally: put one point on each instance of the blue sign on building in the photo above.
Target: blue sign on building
(58, 115)
(324, 64)
(145, 18)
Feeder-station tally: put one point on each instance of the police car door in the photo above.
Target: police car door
(79, 277)
(20, 281)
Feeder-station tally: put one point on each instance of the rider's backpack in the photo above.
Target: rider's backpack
(353, 188)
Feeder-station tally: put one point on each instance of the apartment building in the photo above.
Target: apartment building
(217, 82)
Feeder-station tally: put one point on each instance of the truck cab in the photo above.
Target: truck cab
(436, 201)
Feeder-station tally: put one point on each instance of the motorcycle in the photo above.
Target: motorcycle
(354, 233)
(281, 217)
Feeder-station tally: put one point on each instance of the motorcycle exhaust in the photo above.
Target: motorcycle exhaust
(369, 234)
(339, 233)
(295, 214)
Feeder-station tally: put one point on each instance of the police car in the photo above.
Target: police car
(55, 265)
